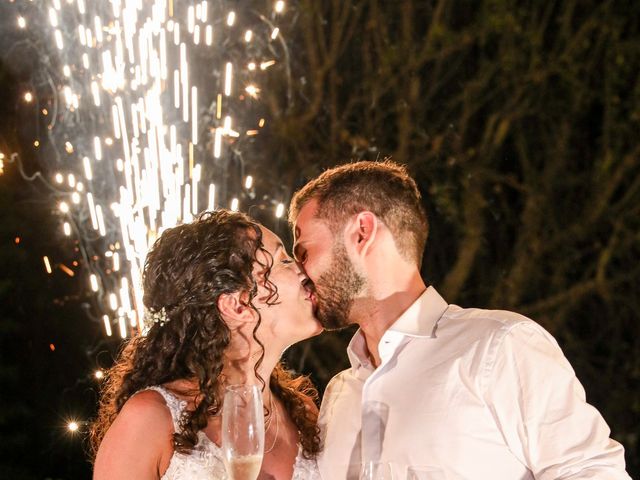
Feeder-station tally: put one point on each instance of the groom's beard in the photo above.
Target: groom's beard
(336, 290)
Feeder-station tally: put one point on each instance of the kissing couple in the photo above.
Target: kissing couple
(435, 391)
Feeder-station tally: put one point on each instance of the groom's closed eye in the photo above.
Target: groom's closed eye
(299, 253)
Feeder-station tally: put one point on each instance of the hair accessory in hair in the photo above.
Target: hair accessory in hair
(158, 316)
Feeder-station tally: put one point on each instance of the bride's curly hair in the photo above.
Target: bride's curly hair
(185, 272)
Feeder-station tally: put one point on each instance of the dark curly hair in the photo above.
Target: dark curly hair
(185, 272)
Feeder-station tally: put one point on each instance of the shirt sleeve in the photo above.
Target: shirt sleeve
(540, 407)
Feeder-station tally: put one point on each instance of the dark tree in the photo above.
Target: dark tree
(520, 121)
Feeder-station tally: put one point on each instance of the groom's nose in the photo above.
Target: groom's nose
(304, 278)
(301, 270)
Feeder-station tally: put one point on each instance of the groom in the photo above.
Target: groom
(479, 394)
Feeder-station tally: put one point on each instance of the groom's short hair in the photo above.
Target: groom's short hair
(384, 188)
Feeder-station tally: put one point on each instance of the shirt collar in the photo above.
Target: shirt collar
(419, 320)
(358, 353)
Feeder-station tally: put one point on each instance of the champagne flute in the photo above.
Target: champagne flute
(376, 471)
(243, 431)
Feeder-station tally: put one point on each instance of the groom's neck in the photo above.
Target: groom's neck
(386, 299)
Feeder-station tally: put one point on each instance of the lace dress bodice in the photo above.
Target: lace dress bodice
(205, 460)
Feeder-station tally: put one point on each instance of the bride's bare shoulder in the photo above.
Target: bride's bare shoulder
(138, 443)
(146, 406)
(144, 417)
(151, 399)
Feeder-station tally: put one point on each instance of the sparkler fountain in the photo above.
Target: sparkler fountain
(154, 105)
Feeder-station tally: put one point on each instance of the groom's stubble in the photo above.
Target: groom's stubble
(336, 290)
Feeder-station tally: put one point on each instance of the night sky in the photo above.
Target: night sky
(49, 345)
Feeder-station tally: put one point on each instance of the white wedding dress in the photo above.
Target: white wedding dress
(205, 460)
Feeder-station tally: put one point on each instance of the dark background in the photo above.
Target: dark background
(520, 122)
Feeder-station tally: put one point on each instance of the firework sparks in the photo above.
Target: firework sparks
(151, 115)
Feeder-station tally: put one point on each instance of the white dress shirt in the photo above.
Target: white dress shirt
(479, 394)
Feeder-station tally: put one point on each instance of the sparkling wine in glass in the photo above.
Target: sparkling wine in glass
(242, 431)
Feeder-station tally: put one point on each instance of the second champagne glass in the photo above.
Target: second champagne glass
(243, 431)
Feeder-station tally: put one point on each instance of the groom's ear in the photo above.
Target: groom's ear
(362, 231)
(234, 307)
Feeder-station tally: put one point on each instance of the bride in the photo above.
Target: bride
(227, 301)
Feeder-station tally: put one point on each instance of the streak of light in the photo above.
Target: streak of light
(47, 264)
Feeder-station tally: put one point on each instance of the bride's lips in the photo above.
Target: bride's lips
(311, 296)
(314, 301)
